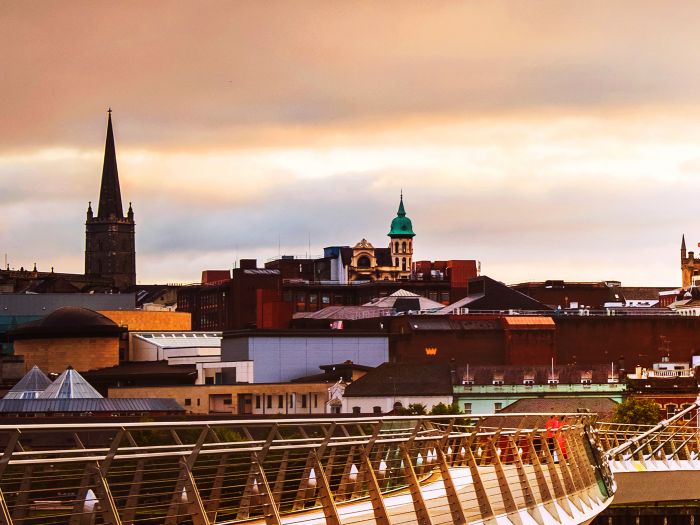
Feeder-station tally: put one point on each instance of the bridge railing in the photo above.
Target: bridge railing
(653, 446)
(383, 470)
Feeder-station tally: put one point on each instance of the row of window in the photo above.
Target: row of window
(304, 400)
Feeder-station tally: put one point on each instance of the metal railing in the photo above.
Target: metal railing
(378, 470)
(676, 438)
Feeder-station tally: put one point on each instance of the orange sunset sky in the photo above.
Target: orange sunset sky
(548, 139)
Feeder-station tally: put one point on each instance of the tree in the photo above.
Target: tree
(414, 409)
(441, 409)
(637, 411)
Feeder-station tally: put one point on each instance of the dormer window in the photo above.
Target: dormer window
(553, 381)
(586, 377)
(528, 382)
(498, 379)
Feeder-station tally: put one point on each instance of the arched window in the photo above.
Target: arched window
(396, 262)
(396, 247)
(403, 264)
(363, 262)
(403, 247)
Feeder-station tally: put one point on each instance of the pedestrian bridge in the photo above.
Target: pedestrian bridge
(658, 463)
(504, 469)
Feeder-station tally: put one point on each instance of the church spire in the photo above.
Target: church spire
(110, 195)
(683, 252)
(402, 211)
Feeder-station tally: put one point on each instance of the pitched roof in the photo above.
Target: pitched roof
(402, 301)
(70, 385)
(415, 379)
(110, 194)
(560, 405)
(485, 293)
(29, 387)
(130, 405)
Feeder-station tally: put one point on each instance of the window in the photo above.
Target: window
(188, 402)
(199, 402)
(396, 262)
(355, 410)
(280, 403)
(671, 410)
(497, 406)
(689, 415)
(315, 400)
(403, 247)
(208, 380)
(227, 401)
(363, 262)
(292, 398)
(467, 408)
(269, 401)
(376, 410)
(303, 401)
(326, 299)
(257, 402)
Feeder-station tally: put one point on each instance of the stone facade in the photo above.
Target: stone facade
(56, 354)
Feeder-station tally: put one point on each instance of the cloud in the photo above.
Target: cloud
(543, 139)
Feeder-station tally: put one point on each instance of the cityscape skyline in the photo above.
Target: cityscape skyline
(570, 158)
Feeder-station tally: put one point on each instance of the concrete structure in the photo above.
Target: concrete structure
(285, 355)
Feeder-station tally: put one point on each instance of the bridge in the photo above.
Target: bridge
(659, 463)
(490, 469)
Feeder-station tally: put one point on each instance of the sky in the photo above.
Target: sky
(546, 139)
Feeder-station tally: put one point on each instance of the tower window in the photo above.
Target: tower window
(403, 264)
(363, 262)
(396, 262)
(403, 247)
(396, 247)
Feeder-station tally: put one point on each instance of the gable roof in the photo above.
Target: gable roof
(484, 293)
(414, 379)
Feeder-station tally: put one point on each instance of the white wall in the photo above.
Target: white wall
(281, 359)
(367, 404)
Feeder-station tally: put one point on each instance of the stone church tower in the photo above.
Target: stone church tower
(109, 237)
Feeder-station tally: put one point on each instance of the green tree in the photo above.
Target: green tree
(441, 409)
(414, 409)
(637, 411)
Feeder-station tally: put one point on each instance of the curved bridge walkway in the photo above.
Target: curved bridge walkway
(655, 463)
(382, 470)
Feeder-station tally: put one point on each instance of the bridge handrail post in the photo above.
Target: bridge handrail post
(456, 509)
(506, 493)
(381, 517)
(330, 510)
(528, 494)
(419, 506)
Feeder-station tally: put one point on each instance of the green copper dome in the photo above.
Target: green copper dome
(401, 225)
